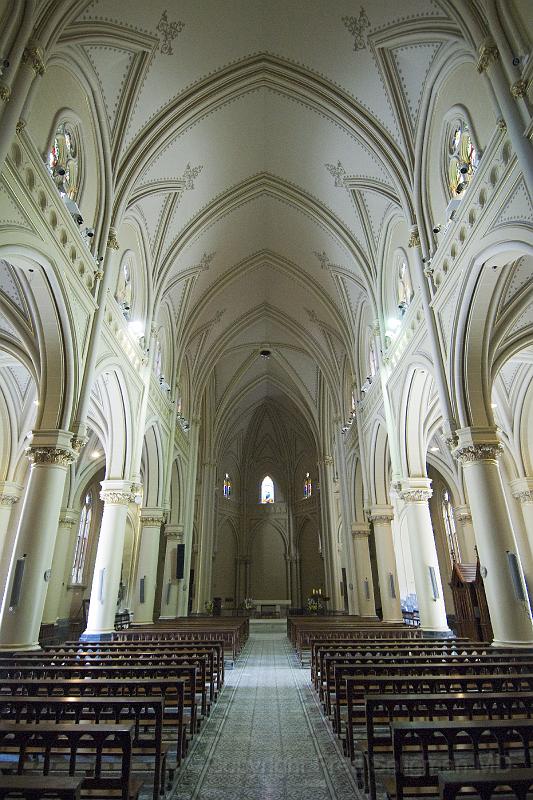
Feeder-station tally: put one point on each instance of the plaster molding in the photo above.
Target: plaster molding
(522, 490)
(151, 522)
(50, 455)
(168, 31)
(470, 453)
(8, 500)
(112, 240)
(462, 514)
(381, 515)
(520, 88)
(415, 490)
(33, 56)
(358, 27)
(337, 172)
(116, 498)
(5, 93)
(190, 174)
(414, 237)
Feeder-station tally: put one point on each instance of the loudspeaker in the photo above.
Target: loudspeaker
(180, 561)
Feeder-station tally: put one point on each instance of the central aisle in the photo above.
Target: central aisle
(266, 738)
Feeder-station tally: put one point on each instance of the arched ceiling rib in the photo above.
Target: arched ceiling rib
(263, 147)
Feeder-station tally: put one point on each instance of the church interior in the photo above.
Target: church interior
(266, 382)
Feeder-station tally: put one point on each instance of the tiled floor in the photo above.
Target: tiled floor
(266, 738)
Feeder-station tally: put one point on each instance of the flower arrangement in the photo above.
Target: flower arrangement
(313, 605)
(248, 604)
(209, 605)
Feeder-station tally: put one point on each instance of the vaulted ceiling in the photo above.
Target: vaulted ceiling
(263, 145)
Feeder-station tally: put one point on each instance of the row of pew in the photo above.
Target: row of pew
(109, 719)
(425, 718)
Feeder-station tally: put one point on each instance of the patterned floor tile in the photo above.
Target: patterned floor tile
(266, 738)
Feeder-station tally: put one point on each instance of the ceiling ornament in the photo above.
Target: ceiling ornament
(338, 172)
(190, 175)
(323, 258)
(168, 31)
(357, 26)
(205, 261)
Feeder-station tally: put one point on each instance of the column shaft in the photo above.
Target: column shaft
(389, 588)
(169, 589)
(365, 584)
(428, 583)
(50, 453)
(143, 610)
(478, 451)
(117, 495)
(60, 564)
(465, 534)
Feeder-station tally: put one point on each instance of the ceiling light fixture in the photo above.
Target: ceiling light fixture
(265, 354)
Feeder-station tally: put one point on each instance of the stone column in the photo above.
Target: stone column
(465, 534)
(188, 522)
(415, 492)
(522, 490)
(329, 538)
(478, 451)
(50, 454)
(294, 589)
(10, 494)
(151, 521)
(169, 589)
(116, 496)
(204, 567)
(389, 587)
(61, 565)
(365, 584)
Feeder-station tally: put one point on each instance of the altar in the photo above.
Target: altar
(272, 608)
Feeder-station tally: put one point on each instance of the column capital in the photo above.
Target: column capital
(10, 493)
(415, 490)
(462, 513)
(360, 530)
(520, 88)
(325, 461)
(151, 520)
(381, 515)
(5, 92)
(68, 517)
(34, 56)
(174, 531)
(477, 444)
(51, 447)
(117, 493)
(522, 490)
(488, 53)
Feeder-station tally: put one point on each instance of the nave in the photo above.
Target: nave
(267, 738)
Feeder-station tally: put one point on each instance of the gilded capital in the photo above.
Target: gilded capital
(520, 88)
(78, 443)
(151, 522)
(5, 92)
(522, 489)
(33, 55)
(8, 500)
(112, 240)
(50, 455)
(415, 495)
(487, 54)
(381, 515)
(462, 514)
(414, 237)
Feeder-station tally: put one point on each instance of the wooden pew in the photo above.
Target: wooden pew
(170, 690)
(380, 712)
(35, 787)
(423, 749)
(126, 674)
(75, 747)
(142, 711)
(509, 783)
(343, 671)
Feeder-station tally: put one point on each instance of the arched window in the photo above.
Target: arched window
(158, 359)
(267, 490)
(123, 294)
(462, 157)
(449, 527)
(372, 356)
(227, 486)
(308, 486)
(80, 551)
(63, 160)
(404, 285)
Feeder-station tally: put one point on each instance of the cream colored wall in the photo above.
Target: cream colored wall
(224, 565)
(311, 562)
(268, 566)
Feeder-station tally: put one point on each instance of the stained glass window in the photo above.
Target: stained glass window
(267, 490)
(63, 160)
(463, 158)
(308, 486)
(80, 550)
(227, 486)
(123, 294)
(405, 287)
